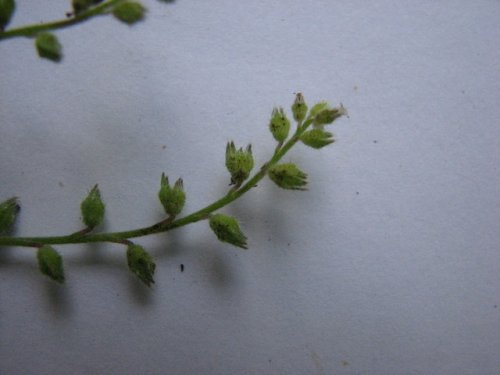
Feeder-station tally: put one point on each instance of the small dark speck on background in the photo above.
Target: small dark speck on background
(182, 267)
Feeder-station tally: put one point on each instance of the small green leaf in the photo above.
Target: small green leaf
(299, 108)
(226, 229)
(7, 8)
(129, 12)
(239, 163)
(48, 47)
(288, 176)
(92, 208)
(50, 263)
(172, 198)
(317, 138)
(8, 212)
(141, 264)
(279, 124)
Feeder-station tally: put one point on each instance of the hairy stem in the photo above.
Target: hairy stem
(31, 30)
(168, 223)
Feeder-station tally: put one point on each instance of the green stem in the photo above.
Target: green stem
(170, 222)
(31, 30)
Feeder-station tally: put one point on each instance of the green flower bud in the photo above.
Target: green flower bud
(172, 198)
(239, 163)
(92, 208)
(279, 124)
(317, 138)
(299, 108)
(288, 176)
(48, 47)
(141, 264)
(329, 115)
(129, 12)
(50, 263)
(7, 8)
(8, 212)
(226, 229)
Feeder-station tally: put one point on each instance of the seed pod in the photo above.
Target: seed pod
(50, 263)
(288, 176)
(48, 47)
(7, 8)
(299, 108)
(92, 208)
(239, 163)
(317, 138)
(8, 213)
(226, 229)
(172, 198)
(141, 264)
(279, 125)
(129, 12)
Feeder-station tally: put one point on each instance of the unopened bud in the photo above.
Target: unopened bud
(226, 229)
(288, 176)
(92, 208)
(141, 264)
(8, 212)
(172, 198)
(299, 108)
(279, 125)
(239, 163)
(329, 115)
(50, 263)
(317, 138)
(48, 47)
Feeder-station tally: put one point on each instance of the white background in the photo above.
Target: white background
(389, 264)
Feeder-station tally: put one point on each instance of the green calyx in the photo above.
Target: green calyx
(48, 47)
(8, 213)
(299, 108)
(7, 8)
(82, 5)
(239, 163)
(50, 263)
(141, 264)
(288, 176)
(317, 138)
(129, 12)
(172, 198)
(279, 125)
(227, 229)
(92, 208)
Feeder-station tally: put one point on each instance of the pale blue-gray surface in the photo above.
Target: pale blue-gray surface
(389, 264)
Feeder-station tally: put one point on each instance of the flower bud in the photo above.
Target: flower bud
(50, 263)
(8, 212)
(299, 108)
(226, 229)
(7, 8)
(317, 138)
(239, 163)
(129, 12)
(279, 124)
(172, 198)
(329, 115)
(48, 47)
(92, 208)
(288, 176)
(141, 264)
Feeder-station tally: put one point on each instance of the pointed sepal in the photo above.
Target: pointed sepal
(141, 264)
(92, 208)
(227, 229)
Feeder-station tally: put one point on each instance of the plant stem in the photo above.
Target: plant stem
(168, 223)
(31, 30)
